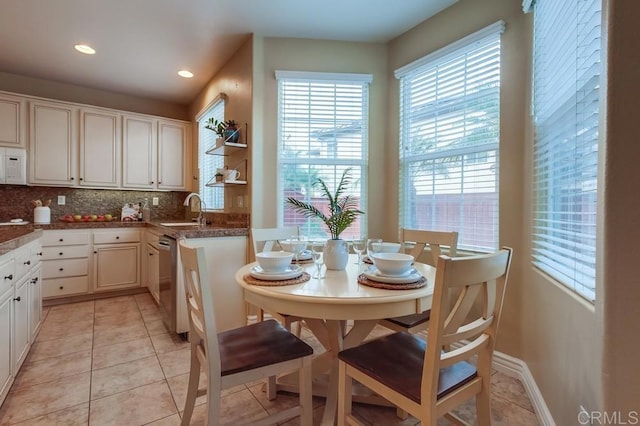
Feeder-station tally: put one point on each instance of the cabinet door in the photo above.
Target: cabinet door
(153, 269)
(12, 121)
(100, 142)
(21, 334)
(35, 302)
(139, 146)
(173, 155)
(116, 266)
(6, 325)
(53, 144)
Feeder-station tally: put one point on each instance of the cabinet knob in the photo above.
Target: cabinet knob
(61, 287)
(61, 239)
(9, 277)
(61, 253)
(95, 252)
(61, 269)
(35, 280)
(39, 253)
(17, 299)
(152, 182)
(81, 179)
(28, 262)
(72, 178)
(117, 237)
(150, 254)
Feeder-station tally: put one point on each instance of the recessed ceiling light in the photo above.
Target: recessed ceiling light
(185, 73)
(83, 48)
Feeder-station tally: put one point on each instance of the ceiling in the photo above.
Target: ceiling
(141, 44)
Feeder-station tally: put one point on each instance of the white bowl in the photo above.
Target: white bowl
(390, 247)
(274, 261)
(293, 245)
(393, 263)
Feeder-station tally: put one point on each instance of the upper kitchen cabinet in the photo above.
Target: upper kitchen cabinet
(100, 144)
(53, 143)
(13, 121)
(156, 153)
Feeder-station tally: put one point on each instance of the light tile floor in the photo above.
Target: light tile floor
(111, 362)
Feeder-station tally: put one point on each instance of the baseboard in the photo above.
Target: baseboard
(517, 368)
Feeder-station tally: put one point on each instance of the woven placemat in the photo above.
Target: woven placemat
(362, 279)
(254, 281)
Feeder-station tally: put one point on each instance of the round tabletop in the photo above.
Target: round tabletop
(339, 296)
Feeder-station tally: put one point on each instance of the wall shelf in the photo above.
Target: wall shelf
(226, 148)
(213, 183)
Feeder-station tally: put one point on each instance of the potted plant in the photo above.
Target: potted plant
(217, 126)
(343, 211)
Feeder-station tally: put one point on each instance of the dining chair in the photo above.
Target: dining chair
(416, 242)
(421, 377)
(237, 356)
(266, 239)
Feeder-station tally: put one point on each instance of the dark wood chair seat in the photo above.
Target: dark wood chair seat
(258, 345)
(410, 321)
(396, 361)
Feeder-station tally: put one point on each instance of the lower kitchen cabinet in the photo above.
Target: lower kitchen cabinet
(65, 262)
(35, 301)
(6, 330)
(116, 260)
(21, 334)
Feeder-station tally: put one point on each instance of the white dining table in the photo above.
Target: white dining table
(328, 304)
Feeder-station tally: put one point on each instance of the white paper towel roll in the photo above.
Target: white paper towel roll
(42, 215)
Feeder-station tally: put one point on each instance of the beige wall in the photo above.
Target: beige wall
(84, 95)
(619, 287)
(325, 56)
(235, 80)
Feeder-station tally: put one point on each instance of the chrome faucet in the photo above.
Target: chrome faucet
(201, 219)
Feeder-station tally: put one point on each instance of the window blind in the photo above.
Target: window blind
(322, 130)
(566, 85)
(449, 137)
(213, 196)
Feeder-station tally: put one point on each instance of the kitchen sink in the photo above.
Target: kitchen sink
(180, 224)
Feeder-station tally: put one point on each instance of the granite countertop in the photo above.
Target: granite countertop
(14, 236)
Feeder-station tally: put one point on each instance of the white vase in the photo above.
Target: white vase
(336, 255)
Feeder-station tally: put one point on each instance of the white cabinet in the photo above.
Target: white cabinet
(100, 142)
(139, 151)
(173, 155)
(116, 259)
(6, 331)
(156, 153)
(52, 143)
(65, 262)
(21, 336)
(13, 119)
(35, 302)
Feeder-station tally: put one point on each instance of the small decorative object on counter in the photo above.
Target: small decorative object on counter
(146, 211)
(41, 213)
(131, 212)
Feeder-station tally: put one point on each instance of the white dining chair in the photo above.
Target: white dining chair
(421, 377)
(425, 246)
(237, 356)
(267, 239)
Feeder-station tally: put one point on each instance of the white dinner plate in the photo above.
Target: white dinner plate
(293, 271)
(373, 274)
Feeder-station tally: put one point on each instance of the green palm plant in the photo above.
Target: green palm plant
(343, 209)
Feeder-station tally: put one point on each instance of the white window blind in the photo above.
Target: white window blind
(322, 130)
(449, 137)
(213, 196)
(566, 74)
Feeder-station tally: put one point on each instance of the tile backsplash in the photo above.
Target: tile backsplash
(16, 202)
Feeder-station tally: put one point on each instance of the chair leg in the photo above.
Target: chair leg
(305, 395)
(192, 390)
(260, 315)
(272, 388)
(483, 408)
(401, 414)
(298, 328)
(344, 394)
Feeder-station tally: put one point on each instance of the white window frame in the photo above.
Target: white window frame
(359, 165)
(213, 196)
(470, 155)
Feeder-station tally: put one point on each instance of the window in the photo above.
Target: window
(449, 137)
(213, 196)
(322, 130)
(566, 85)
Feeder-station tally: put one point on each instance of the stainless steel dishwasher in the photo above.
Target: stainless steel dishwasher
(168, 280)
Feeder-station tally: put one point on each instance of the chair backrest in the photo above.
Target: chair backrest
(419, 239)
(480, 282)
(202, 319)
(266, 239)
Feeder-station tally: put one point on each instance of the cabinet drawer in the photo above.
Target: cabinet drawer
(64, 252)
(65, 286)
(116, 236)
(7, 274)
(65, 238)
(64, 268)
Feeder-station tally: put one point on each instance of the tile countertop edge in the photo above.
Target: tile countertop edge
(12, 237)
